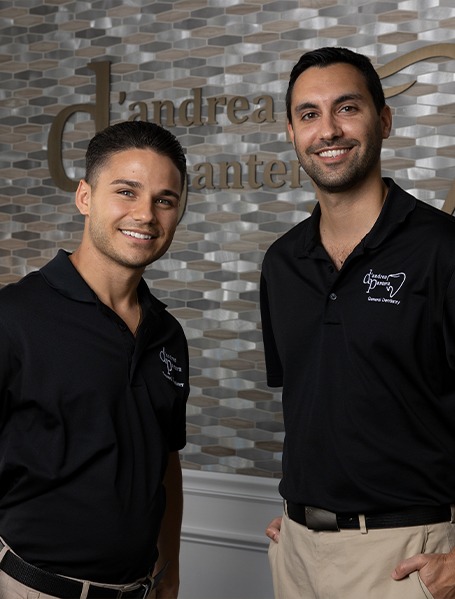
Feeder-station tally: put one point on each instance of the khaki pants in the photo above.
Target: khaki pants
(351, 564)
(11, 589)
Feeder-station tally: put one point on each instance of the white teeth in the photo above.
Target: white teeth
(136, 235)
(332, 153)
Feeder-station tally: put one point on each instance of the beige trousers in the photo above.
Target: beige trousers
(351, 564)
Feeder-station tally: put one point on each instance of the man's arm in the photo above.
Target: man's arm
(169, 538)
(437, 570)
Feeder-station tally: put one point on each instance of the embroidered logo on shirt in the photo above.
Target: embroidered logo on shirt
(383, 288)
(171, 366)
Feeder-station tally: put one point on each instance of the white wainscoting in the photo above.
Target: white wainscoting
(224, 547)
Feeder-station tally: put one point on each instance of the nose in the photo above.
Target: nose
(330, 127)
(144, 211)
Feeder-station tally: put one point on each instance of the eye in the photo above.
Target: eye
(166, 202)
(127, 193)
(348, 109)
(308, 116)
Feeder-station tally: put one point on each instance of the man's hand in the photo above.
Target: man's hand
(436, 570)
(273, 529)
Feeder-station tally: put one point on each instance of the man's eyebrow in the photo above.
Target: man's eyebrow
(304, 106)
(348, 97)
(339, 100)
(169, 192)
(138, 185)
(129, 182)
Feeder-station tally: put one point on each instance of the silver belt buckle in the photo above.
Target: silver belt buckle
(317, 519)
(146, 586)
(143, 587)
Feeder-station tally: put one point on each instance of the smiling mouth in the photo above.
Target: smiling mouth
(136, 235)
(333, 153)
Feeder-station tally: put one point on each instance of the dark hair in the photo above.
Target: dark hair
(324, 57)
(132, 134)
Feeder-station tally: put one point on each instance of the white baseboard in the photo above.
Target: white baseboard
(223, 540)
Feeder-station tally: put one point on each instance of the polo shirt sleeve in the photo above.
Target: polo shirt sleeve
(7, 358)
(449, 322)
(177, 432)
(272, 358)
(4, 359)
(177, 437)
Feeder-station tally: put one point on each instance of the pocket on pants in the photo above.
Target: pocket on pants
(426, 593)
(273, 547)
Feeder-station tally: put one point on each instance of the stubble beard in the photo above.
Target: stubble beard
(341, 178)
(127, 259)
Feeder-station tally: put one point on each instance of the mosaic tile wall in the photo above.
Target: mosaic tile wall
(188, 53)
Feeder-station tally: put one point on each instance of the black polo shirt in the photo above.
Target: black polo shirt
(88, 415)
(366, 357)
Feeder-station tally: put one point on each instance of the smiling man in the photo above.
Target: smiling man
(90, 419)
(358, 315)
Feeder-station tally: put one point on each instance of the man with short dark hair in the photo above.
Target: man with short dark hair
(358, 314)
(93, 389)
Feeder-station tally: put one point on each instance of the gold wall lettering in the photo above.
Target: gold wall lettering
(238, 110)
(98, 111)
(230, 175)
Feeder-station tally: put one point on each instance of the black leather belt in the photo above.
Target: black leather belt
(66, 588)
(320, 520)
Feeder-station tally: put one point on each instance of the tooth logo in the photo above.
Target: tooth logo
(172, 367)
(395, 283)
(383, 288)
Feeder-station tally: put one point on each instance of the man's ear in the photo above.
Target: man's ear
(386, 120)
(291, 133)
(83, 197)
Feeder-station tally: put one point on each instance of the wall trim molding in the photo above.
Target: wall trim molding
(250, 488)
(228, 510)
(223, 539)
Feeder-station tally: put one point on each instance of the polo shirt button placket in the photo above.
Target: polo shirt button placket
(333, 296)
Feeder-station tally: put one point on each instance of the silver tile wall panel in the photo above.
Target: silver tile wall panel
(162, 51)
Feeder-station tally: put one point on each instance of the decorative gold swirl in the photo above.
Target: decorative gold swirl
(424, 53)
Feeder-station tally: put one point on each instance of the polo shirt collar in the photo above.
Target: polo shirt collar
(61, 275)
(398, 204)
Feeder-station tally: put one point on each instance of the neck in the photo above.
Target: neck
(346, 218)
(115, 287)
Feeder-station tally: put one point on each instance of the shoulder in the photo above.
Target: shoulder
(19, 304)
(290, 241)
(441, 224)
(19, 295)
(419, 221)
